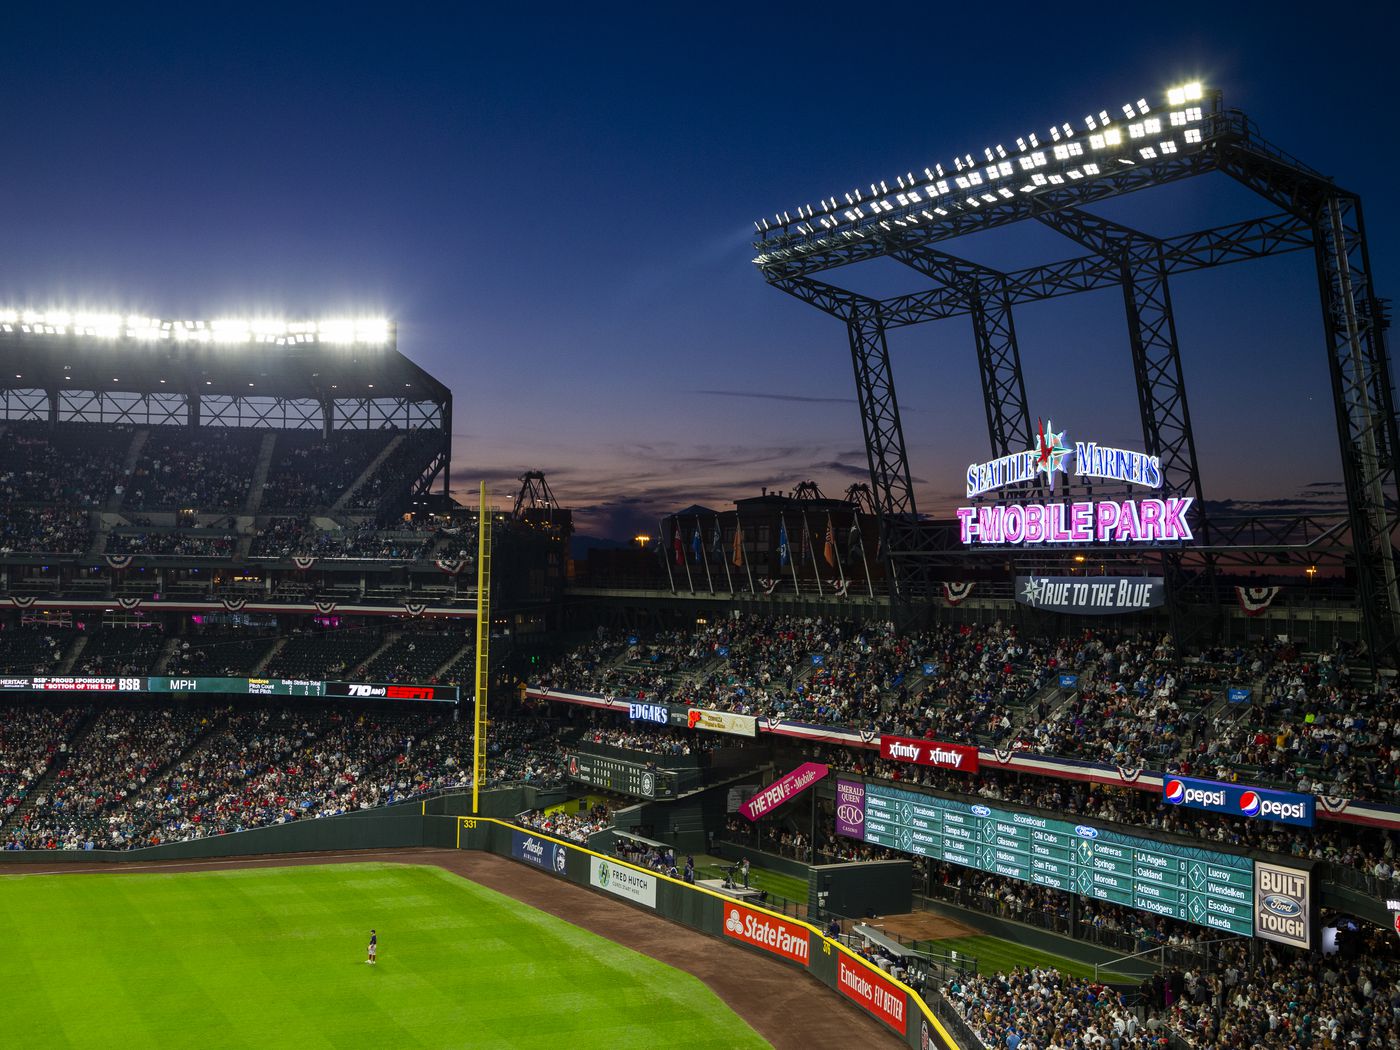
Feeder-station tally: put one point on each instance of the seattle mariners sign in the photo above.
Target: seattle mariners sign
(1148, 520)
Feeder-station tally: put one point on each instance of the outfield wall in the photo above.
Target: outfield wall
(799, 944)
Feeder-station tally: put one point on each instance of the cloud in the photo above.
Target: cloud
(778, 397)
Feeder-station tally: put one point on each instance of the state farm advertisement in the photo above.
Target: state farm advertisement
(785, 787)
(768, 932)
(867, 987)
(929, 753)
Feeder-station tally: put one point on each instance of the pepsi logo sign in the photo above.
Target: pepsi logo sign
(1176, 792)
(1249, 803)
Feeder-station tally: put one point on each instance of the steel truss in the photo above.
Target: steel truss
(1314, 215)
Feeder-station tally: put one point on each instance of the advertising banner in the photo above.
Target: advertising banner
(876, 993)
(658, 713)
(1069, 681)
(1091, 596)
(542, 853)
(1238, 800)
(624, 882)
(768, 932)
(1239, 694)
(929, 753)
(785, 787)
(722, 722)
(1283, 904)
(850, 809)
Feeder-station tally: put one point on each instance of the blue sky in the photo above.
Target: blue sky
(556, 208)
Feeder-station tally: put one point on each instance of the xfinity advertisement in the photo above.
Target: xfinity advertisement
(1236, 800)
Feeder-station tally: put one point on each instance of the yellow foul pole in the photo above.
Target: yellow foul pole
(483, 645)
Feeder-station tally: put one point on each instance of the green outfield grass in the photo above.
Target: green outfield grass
(995, 955)
(789, 886)
(276, 958)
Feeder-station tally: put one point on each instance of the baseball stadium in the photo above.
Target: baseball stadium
(307, 741)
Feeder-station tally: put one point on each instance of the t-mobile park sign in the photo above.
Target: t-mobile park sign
(1150, 520)
(929, 753)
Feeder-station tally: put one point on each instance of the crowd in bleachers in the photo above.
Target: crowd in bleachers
(399, 469)
(1138, 702)
(654, 740)
(143, 775)
(286, 537)
(415, 656)
(311, 471)
(318, 653)
(75, 465)
(208, 469)
(576, 827)
(32, 649)
(121, 651)
(1041, 1009)
(44, 530)
(203, 543)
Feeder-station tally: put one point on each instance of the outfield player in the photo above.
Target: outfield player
(373, 946)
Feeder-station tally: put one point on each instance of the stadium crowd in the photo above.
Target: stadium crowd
(1137, 702)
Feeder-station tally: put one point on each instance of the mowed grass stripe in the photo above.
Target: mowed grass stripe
(995, 955)
(275, 957)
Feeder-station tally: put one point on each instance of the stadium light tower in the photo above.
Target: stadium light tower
(1052, 177)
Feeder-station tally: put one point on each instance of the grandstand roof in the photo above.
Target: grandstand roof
(311, 369)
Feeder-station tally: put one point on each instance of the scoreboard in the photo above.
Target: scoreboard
(623, 777)
(228, 687)
(1184, 882)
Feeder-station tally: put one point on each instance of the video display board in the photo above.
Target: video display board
(229, 687)
(1184, 882)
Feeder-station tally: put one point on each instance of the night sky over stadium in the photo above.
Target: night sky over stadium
(557, 211)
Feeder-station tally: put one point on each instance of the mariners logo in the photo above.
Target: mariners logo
(648, 784)
(1051, 453)
(1033, 593)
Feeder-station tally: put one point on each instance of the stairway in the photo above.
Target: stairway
(390, 637)
(367, 473)
(133, 456)
(70, 658)
(259, 482)
(41, 786)
(277, 647)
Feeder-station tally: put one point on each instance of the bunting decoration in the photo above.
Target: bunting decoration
(325, 608)
(22, 601)
(957, 593)
(1255, 600)
(839, 587)
(233, 604)
(117, 561)
(451, 566)
(129, 603)
(303, 561)
(415, 609)
(1129, 775)
(1334, 803)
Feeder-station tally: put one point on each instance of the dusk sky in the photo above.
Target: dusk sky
(556, 209)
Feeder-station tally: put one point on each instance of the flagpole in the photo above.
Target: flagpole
(739, 546)
(719, 535)
(792, 562)
(807, 535)
(665, 554)
(704, 557)
(680, 549)
(869, 583)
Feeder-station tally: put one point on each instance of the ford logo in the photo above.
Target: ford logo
(981, 811)
(850, 813)
(1286, 907)
(1084, 831)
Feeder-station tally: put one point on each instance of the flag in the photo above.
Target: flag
(829, 548)
(853, 541)
(680, 556)
(738, 557)
(717, 541)
(806, 543)
(696, 544)
(782, 545)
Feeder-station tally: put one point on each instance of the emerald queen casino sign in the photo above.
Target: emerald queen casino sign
(1146, 520)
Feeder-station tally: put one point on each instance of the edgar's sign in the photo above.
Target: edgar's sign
(1091, 595)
